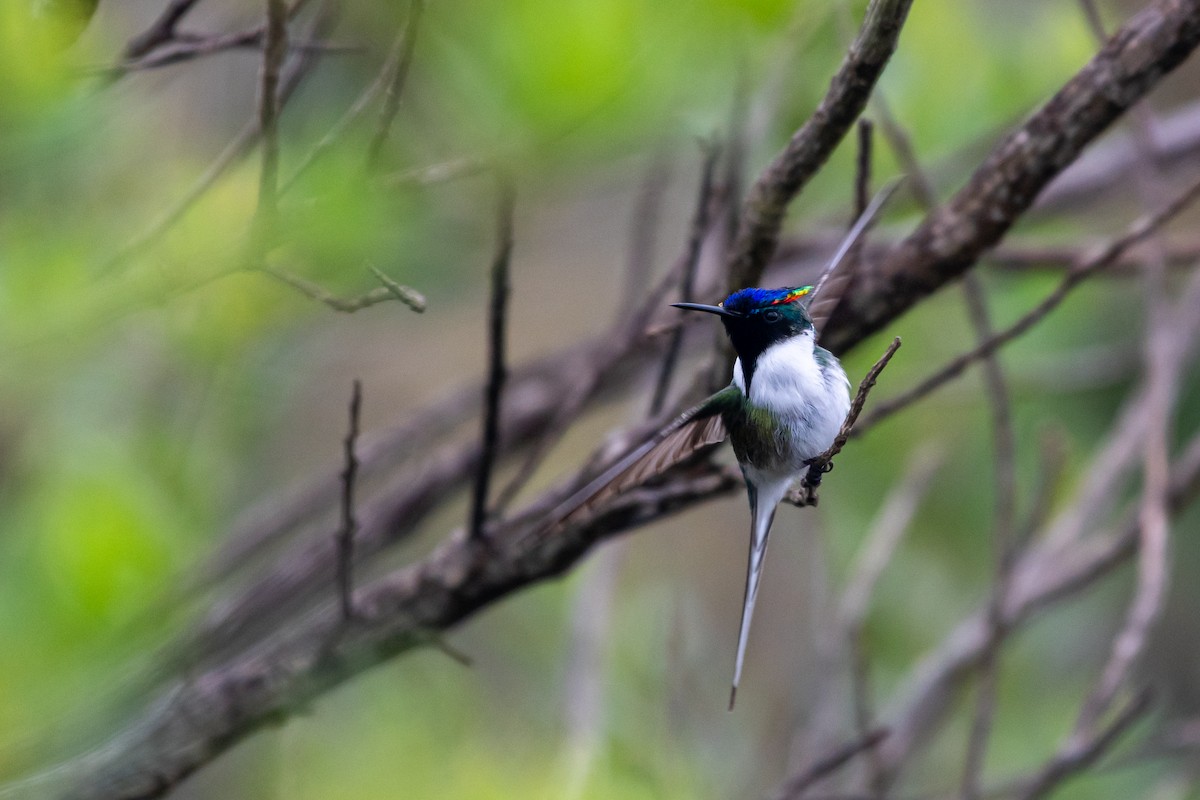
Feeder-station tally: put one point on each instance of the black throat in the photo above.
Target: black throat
(751, 338)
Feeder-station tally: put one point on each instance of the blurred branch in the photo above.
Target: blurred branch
(437, 173)
(348, 305)
(396, 81)
(890, 525)
(274, 50)
(233, 694)
(1140, 229)
(1082, 754)
(241, 144)
(405, 294)
(207, 713)
(400, 50)
(1163, 354)
(1004, 481)
(175, 47)
(497, 372)
(1042, 577)
(949, 241)
(767, 201)
(345, 536)
(687, 282)
(798, 784)
(161, 31)
(644, 223)
(833, 285)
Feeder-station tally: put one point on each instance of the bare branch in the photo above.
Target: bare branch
(1152, 43)
(241, 144)
(809, 148)
(1141, 228)
(696, 235)
(1042, 577)
(396, 82)
(1078, 755)
(348, 305)
(274, 50)
(798, 784)
(834, 282)
(345, 536)
(437, 173)
(1003, 543)
(209, 712)
(405, 294)
(161, 31)
(497, 372)
(643, 225)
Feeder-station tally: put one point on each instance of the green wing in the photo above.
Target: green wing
(701, 426)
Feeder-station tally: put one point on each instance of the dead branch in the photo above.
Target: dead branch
(242, 143)
(161, 31)
(948, 242)
(497, 371)
(1140, 229)
(396, 81)
(697, 233)
(767, 201)
(275, 43)
(237, 694)
(391, 290)
(345, 535)
(823, 768)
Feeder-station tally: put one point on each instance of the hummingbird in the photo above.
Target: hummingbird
(783, 408)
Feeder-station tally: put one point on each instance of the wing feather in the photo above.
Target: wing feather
(695, 429)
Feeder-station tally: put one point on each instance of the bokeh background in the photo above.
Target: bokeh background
(149, 399)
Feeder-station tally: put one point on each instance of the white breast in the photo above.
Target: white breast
(810, 402)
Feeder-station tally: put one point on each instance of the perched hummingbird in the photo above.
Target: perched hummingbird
(784, 407)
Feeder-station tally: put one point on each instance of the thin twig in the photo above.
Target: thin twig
(832, 286)
(1141, 228)
(441, 172)
(396, 82)
(1163, 357)
(161, 31)
(891, 522)
(862, 168)
(274, 50)
(348, 305)
(823, 768)
(345, 535)
(644, 223)
(1005, 482)
(806, 494)
(767, 201)
(200, 46)
(1080, 754)
(241, 144)
(405, 294)
(1052, 465)
(395, 55)
(687, 282)
(630, 329)
(1004, 479)
(497, 322)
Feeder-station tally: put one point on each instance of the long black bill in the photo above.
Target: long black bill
(710, 309)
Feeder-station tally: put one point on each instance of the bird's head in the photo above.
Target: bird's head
(755, 319)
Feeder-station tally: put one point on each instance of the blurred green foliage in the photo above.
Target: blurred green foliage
(149, 396)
